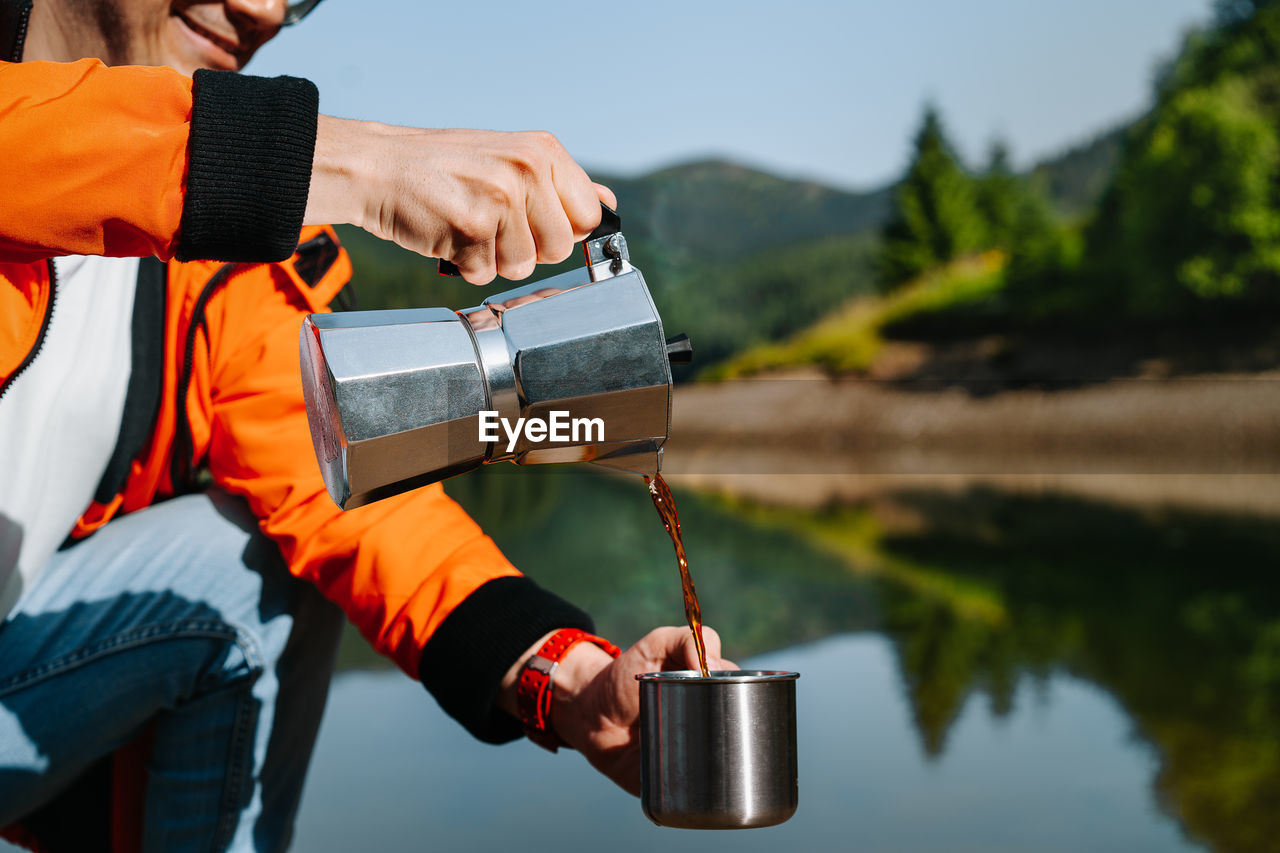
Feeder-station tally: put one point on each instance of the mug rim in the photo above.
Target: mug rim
(719, 676)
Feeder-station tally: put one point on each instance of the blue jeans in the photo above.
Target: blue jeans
(181, 618)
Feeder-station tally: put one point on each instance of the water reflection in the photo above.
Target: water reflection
(1174, 615)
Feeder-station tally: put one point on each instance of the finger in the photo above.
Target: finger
(711, 638)
(606, 196)
(711, 645)
(515, 252)
(662, 648)
(725, 663)
(552, 233)
(691, 661)
(577, 195)
(476, 262)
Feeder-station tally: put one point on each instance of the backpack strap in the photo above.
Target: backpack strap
(146, 377)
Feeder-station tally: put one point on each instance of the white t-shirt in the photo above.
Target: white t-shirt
(60, 419)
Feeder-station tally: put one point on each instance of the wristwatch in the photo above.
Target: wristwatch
(536, 683)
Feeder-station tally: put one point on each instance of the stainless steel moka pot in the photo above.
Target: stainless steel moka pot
(395, 398)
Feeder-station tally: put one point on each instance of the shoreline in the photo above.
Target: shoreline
(1206, 442)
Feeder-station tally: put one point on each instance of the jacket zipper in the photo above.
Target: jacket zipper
(44, 329)
(181, 464)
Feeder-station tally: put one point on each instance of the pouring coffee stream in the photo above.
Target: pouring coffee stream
(666, 506)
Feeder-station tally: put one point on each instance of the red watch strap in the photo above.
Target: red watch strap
(536, 682)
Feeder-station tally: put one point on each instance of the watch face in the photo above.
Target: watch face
(543, 665)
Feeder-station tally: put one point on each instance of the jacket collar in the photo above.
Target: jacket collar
(14, 15)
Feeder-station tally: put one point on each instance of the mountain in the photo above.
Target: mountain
(716, 209)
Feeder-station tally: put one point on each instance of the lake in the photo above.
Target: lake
(979, 671)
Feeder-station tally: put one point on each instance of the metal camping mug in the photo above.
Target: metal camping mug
(718, 752)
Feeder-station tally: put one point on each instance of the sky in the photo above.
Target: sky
(830, 91)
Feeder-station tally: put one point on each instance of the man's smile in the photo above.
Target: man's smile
(222, 50)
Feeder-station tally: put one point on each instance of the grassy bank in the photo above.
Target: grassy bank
(848, 340)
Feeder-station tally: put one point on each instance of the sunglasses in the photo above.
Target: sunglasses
(298, 10)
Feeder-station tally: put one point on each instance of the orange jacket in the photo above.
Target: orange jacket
(107, 161)
(104, 148)
(94, 164)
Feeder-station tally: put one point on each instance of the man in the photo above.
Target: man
(182, 630)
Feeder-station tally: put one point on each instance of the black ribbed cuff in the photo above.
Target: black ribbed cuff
(465, 659)
(249, 159)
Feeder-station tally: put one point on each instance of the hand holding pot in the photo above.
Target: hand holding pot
(492, 203)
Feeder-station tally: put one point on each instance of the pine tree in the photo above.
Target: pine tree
(1000, 197)
(935, 217)
(1019, 221)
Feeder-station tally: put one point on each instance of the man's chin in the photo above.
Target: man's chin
(189, 65)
